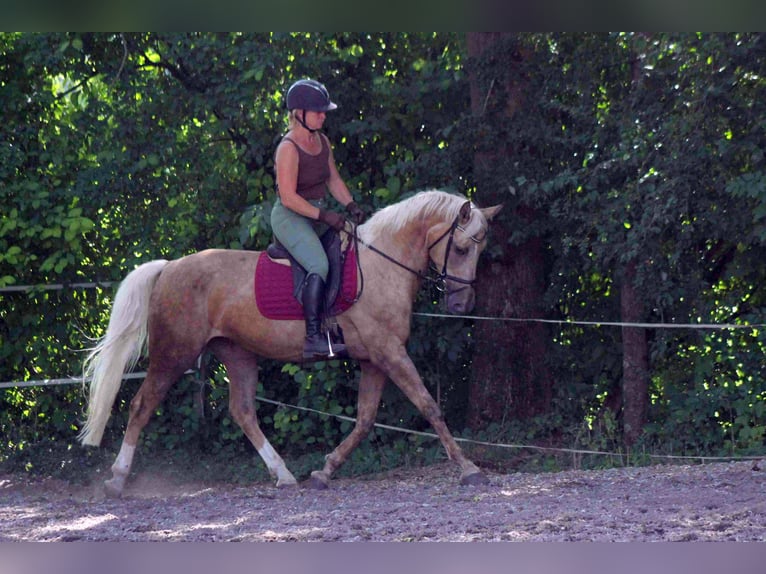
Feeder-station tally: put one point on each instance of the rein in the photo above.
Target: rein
(440, 281)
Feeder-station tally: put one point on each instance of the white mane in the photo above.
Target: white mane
(395, 217)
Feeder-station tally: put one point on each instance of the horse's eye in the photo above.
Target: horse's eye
(461, 250)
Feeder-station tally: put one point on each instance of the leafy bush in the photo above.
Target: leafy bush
(130, 147)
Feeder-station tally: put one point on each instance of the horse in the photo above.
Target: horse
(204, 301)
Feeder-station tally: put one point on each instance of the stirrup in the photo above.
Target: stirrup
(317, 351)
(340, 353)
(331, 354)
(332, 351)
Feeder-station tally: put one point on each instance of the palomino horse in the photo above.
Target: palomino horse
(205, 301)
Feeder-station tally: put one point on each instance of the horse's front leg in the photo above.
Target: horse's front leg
(399, 367)
(370, 391)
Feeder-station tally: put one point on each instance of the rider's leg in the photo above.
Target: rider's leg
(299, 236)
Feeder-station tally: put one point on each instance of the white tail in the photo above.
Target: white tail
(119, 349)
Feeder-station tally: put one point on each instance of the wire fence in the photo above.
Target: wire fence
(393, 428)
(55, 287)
(568, 322)
(562, 322)
(573, 451)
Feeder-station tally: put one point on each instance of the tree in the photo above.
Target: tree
(623, 142)
(135, 146)
(631, 167)
(509, 378)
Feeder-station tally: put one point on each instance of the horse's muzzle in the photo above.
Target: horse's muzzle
(461, 300)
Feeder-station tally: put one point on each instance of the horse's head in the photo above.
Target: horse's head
(455, 248)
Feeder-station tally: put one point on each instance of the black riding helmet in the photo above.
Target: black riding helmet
(308, 95)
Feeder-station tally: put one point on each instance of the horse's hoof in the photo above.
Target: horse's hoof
(287, 484)
(474, 479)
(317, 481)
(112, 489)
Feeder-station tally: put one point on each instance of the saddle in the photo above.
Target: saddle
(331, 243)
(279, 280)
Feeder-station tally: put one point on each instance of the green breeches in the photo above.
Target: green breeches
(300, 236)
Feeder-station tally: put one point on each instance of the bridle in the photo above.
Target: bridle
(440, 280)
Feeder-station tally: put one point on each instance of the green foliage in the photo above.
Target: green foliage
(130, 147)
(715, 404)
(643, 148)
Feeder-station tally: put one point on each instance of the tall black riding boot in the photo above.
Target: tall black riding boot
(317, 345)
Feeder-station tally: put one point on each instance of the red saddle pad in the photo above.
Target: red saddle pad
(274, 289)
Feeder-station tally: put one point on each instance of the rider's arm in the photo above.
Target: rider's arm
(335, 183)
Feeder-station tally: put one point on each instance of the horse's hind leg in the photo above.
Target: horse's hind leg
(370, 391)
(144, 403)
(242, 369)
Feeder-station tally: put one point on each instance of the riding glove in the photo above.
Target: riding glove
(333, 219)
(357, 215)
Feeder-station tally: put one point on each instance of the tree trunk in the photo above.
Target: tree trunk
(635, 360)
(509, 377)
(635, 354)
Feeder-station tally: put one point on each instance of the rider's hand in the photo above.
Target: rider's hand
(357, 215)
(333, 219)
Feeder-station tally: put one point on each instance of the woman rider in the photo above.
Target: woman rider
(305, 169)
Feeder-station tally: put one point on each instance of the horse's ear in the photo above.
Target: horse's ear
(491, 212)
(465, 212)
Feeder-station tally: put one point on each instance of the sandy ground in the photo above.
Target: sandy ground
(712, 502)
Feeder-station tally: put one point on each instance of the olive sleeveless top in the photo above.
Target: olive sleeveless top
(313, 171)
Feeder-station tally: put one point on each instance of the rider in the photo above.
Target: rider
(305, 169)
